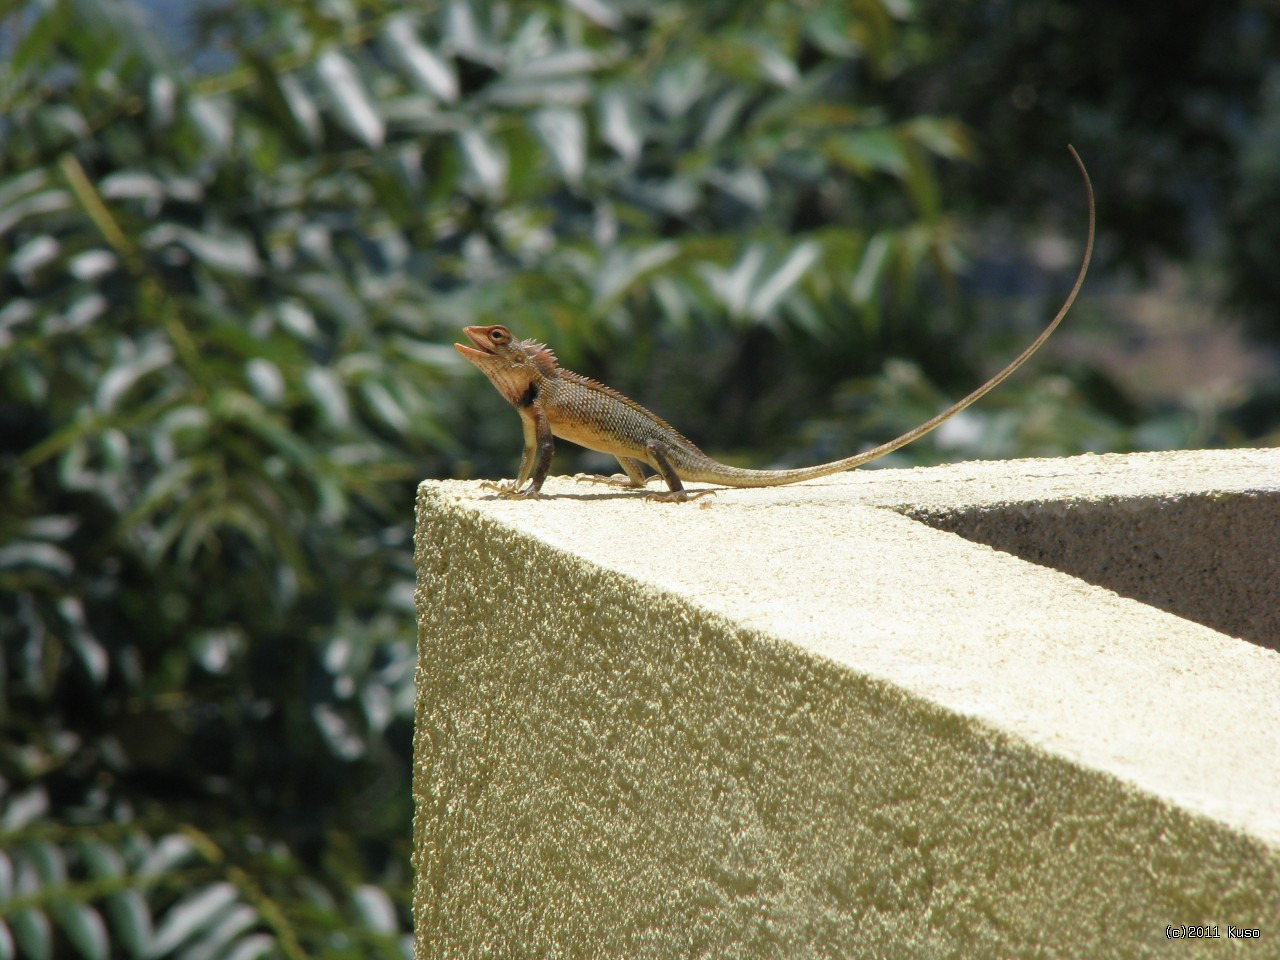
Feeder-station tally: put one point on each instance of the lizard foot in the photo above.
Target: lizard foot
(679, 496)
(617, 480)
(509, 490)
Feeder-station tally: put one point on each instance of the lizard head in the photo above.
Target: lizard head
(513, 366)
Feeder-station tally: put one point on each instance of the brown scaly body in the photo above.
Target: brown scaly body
(554, 402)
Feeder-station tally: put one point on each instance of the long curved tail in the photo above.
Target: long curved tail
(735, 476)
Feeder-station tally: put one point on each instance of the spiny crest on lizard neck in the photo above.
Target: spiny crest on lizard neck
(543, 357)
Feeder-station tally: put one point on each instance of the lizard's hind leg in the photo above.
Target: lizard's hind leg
(634, 476)
(662, 463)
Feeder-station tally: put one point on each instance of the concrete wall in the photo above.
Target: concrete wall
(800, 723)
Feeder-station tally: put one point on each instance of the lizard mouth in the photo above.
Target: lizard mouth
(479, 340)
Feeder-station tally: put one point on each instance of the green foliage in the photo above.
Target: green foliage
(112, 891)
(227, 294)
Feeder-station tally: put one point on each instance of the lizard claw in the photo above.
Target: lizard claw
(509, 490)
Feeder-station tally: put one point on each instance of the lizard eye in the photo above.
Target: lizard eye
(497, 336)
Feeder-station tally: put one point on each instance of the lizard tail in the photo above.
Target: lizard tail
(739, 477)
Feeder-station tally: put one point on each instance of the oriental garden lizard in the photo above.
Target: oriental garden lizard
(554, 402)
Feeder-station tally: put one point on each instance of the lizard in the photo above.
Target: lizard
(555, 402)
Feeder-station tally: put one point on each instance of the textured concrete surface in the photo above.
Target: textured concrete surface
(792, 722)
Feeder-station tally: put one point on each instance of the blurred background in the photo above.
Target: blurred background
(238, 238)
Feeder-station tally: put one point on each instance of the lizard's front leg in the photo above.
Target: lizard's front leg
(535, 459)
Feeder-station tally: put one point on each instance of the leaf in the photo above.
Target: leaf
(487, 161)
(250, 948)
(327, 389)
(83, 927)
(674, 300)
(49, 862)
(217, 650)
(162, 101)
(168, 485)
(192, 914)
(748, 186)
(92, 264)
(52, 527)
(462, 31)
(43, 556)
(778, 68)
(876, 150)
(245, 411)
(942, 137)
(33, 933)
(773, 288)
(923, 186)
(559, 63)
(33, 255)
(387, 408)
(220, 249)
(23, 809)
(47, 201)
(302, 108)
(428, 70)
(564, 134)
(293, 111)
(599, 12)
(332, 298)
(733, 286)
(679, 87)
(914, 244)
(351, 102)
(830, 29)
(69, 122)
(623, 267)
(375, 908)
(82, 312)
(102, 860)
(230, 928)
(871, 270)
(620, 126)
(338, 731)
(90, 653)
(38, 36)
(132, 185)
(128, 370)
(16, 313)
(179, 428)
(171, 851)
(297, 319)
(723, 119)
(265, 380)
(213, 118)
(678, 196)
(177, 525)
(21, 185)
(131, 921)
(338, 658)
(377, 706)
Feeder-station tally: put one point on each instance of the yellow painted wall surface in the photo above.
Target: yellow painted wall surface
(609, 768)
